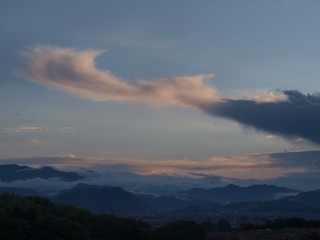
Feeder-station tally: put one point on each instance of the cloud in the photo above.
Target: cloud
(20, 129)
(307, 160)
(261, 165)
(65, 129)
(74, 72)
(294, 169)
(37, 128)
(290, 114)
(295, 118)
(36, 142)
(270, 136)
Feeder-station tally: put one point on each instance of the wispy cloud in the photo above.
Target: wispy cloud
(74, 72)
(270, 136)
(263, 165)
(293, 169)
(36, 142)
(19, 129)
(27, 143)
(64, 129)
(37, 128)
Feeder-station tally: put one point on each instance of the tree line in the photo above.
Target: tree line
(36, 218)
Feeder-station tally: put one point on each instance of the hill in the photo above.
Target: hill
(102, 199)
(13, 172)
(232, 193)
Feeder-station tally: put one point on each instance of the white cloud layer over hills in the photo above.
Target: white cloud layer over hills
(297, 170)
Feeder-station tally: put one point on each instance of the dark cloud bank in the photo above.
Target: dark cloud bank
(297, 117)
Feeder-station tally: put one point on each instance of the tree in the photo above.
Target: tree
(223, 225)
(184, 230)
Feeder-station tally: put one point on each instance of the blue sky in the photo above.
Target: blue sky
(251, 48)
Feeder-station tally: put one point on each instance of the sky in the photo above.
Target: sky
(216, 87)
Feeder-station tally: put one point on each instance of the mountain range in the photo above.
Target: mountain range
(233, 193)
(13, 172)
(116, 200)
(74, 189)
(101, 199)
(253, 198)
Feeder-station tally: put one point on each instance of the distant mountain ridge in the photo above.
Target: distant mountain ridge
(102, 199)
(171, 203)
(116, 200)
(13, 172)
(233, 193)
(304, 202)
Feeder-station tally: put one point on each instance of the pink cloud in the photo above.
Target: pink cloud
(74, 72)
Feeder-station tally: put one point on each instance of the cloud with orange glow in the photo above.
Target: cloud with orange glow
(20, 129)
(261, 165)
(74, 72)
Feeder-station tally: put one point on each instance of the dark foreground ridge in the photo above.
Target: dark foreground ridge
(38, 218)
(268, 234)
(102, 199)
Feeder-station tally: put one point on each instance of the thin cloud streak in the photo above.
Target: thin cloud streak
(20, 129)
(261, 166)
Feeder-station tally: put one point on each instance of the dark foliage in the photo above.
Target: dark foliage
(38, 218)
(180, 230)
(102, 199)
(292, 223)
(282, 223)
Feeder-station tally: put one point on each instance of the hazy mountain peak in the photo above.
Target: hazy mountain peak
(13, 172)
(101, 199)
(234, 193)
